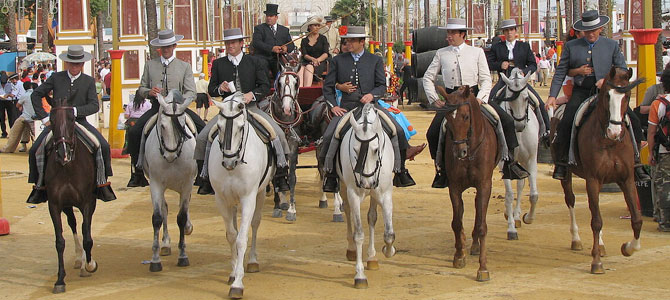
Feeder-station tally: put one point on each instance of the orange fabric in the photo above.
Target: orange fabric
(46, 105)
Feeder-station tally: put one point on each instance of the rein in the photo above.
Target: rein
(359, 168)
(180, 133)
(471, 154)
(71, 141)
(228, 135)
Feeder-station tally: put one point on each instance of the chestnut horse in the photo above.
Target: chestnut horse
(605, 155)
(70, 182)
(470, 163)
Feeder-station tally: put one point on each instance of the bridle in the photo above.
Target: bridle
(285, 92)
(67, 142)
(181, 133)
(228, 133)
(453, 107)
(622, 90)
(359, 168)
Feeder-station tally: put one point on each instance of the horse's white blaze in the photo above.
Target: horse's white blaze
(453, 114)
(613, 130)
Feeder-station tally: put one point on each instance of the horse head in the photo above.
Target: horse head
(517, 97)
(615, 95)
(171, 125)
(62, 126)
(286, 100)
(516, 81)
(459, 109)
(232, 126)
(366, 145)
(290, 62)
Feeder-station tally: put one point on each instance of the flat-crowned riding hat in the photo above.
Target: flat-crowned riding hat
(456, 24)
(510, 23)
(271, 9)
(329, 18)
(13, 76)
(315, 20)
(353, 32)
(166, 38)
(233, 34)
(591, 20)
(75, 54)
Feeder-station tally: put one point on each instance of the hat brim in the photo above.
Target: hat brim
(510, 26)
(234, 37)
(354, 35)
(87, 57)
(456, 28)
(602, 21)
(271, 13)
(157, 43)
(305, 27)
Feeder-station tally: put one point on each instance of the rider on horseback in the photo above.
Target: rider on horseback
(79, 90)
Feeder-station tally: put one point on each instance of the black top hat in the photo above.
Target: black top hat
(591, 20)
(271, 9)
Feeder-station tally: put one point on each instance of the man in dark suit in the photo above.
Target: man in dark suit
(509, 54)
(360, 76)
(271, 39)
(591, 70)
(79, 89)
(245, 73)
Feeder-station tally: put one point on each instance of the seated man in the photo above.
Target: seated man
(360, 76)
(79, 89)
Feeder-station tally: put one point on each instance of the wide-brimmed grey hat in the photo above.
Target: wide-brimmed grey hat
(353, 32)
(591, 20)
(456, 24)
(166, 38)
(314, 20)
(271, 9)
(233, 34)
(510, 23)
(75, 54)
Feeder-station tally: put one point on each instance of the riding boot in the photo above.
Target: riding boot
(37, 195)
(331, 182)
(137, 178)
(402, 178)
(198, 180)
(205, 187)
(513, 170)
(441, 180)
(280, 181)
(104, 192)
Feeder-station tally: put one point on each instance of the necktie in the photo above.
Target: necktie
(165, 83)
(274, 31)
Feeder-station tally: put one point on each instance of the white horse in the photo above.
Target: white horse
(240, 167)
(519, 106)
(366, 167)
(168, 162)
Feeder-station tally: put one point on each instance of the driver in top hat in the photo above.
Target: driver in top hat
(271, 39)
(590, 72)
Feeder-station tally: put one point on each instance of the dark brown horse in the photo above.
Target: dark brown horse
(70, 182)
(470, 156)
(605, 155)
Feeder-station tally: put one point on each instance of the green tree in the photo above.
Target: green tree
(152, 25)
(352, 12)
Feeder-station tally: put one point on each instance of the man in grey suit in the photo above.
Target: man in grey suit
(160, 75)
(592, 56)
(271, 39)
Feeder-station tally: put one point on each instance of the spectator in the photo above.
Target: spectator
(544, 67)
(202, 98)
(105, 70)
(107, 80)
(659, 122)
(314, 49)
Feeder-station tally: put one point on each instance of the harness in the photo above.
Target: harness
(359, 168)
(180, 132)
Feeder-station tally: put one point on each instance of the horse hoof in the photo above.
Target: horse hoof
(77, 264)
(165, 251)
(284, 206)
(59, 289)
(517, 223)
(155, 267)
(253, 268)
(597, 268)
(231, 279)
(290, 217)
(276, 213)
(625, 252)
(576, 246)
(483, 276)
(474, 250)
(459, 263)
(351, 255)
(601, 249)
(388, 251)
(188, 230)
(183, 262)
(84, 273)
(338, 218)
(361, 283)
(512, 236)
(92, 266)
(323, 204)
(235, 293)
(372, 265)
(526, 219)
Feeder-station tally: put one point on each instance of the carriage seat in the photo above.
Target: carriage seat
(262, 127)
(84, 135)
(343, 126)
(152, 122)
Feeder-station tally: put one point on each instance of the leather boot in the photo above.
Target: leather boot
(440, 181)
(105, 192)
(513, 170)
(280, 180)
(560, 171)
(37, 195)
(137, 179)
(331, 183)
(205, 187)
(402, 178)
(198, 179)
(413, 151)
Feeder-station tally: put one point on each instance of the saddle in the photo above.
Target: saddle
(149, 125)
(262, 127)
(84, 135)
(343, 126)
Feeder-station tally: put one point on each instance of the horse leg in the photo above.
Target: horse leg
(481, 206)
(323, 202)
(157, 221)
(457, 227)
(509, 211)
(360, 280)
(230, 220)
(576, 244)
(78, 249)
(337, 207)
(91, 265)
(54, 211)
(165, 242)
(182, 222)
(252, 264)
(529, 217)
(277, 211)
(517, 205)
(351, 246)
(593, 190)
(248, 208)
(372, 263)
(293, 162)
(630, 194)
(389, 233)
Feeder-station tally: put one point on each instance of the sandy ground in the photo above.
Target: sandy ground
(306, 259)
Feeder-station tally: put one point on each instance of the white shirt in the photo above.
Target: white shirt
(165, 61)
(544, 64)
(72, 79)
(104, 72)
(235, 59)
(510, 48)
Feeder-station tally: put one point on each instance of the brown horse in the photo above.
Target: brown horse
(470, 163)
(70, 182)
(605, 155)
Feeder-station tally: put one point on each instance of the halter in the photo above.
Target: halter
(228, 135)
(180, 133)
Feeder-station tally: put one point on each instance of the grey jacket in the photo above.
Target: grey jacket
(179, 77)
(605, 54)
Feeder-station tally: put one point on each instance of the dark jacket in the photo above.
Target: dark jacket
(80, 94)
(523, 57)
(263, 40)
(370, 74)
(252, 72)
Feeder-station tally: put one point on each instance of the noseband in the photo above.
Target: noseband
(68, 142)
(285, 92)
(180, 133)
(228, 136)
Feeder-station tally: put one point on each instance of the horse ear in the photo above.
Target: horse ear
(354, 124)
(527, 77)
(440, 90)
(630, 73)
(504, 78)
(612, 72)
(218, 104)
(466, 91)
(161, 100)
